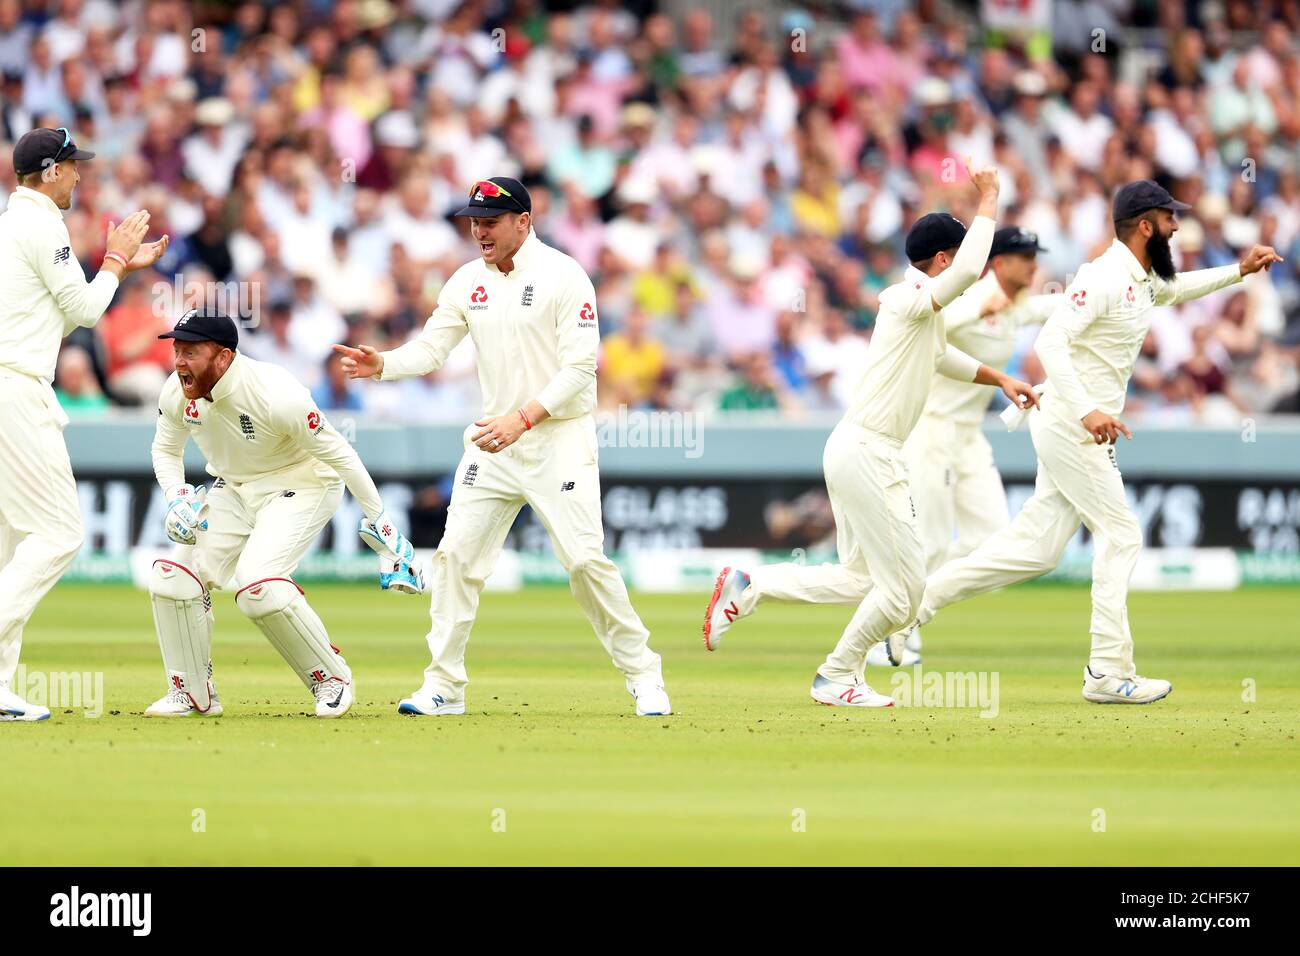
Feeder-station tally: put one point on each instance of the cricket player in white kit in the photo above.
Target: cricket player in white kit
(1088, 348)
(959, 496)
(880, 550)
(531, 312)
(44, 296)
(279, 470)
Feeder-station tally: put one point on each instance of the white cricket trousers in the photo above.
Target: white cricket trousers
(956, 486)
(1078, 481)
(259, 529)
(553, 468)
(882, 562)
(40, 518)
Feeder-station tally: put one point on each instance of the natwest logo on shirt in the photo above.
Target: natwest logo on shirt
(479, 297)
(587, 317)
(192, 413)
(314, 422)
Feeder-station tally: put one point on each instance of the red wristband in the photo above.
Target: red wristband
(528, 426)
(117, 256)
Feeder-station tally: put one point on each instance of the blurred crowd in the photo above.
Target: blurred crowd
(737, 182)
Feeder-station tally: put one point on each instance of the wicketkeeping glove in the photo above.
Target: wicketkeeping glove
(398, 568)
(186, 506)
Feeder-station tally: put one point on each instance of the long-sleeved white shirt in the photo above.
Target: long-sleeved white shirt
(43, 293)
(909, 345)
(991, 339)
(1092, 339)
(534, 332)
(261, 425)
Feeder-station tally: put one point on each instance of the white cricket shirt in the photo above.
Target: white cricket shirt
(991, 339)
(534, 332)
(43, 293)
(1092, 339)
(261, 425)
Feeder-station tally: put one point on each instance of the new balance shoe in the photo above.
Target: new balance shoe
(834, 694)
(425, 703)
(651, 700)
(724, 606)
(13, 707)
(1100, 689)
(334, 698)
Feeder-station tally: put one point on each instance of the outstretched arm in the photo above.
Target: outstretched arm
(420, 356)
(973, 253)
(1192, 285)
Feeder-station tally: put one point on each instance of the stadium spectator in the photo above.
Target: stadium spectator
(337, 392)
(138, 362)
(75, 385)
(632, 363)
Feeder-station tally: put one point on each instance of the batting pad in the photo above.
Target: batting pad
(280, 610)
(183, 620)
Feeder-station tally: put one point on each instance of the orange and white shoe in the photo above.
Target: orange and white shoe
(724, 606)
(834, 694)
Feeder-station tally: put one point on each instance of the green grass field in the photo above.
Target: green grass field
(549, 748)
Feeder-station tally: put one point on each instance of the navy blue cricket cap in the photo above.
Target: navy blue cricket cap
(933, 233)
(43, 147)
(196, 325)
(492, 197)
(1135, 198)
(1013, 239)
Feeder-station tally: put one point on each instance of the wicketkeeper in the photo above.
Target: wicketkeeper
(279, 470)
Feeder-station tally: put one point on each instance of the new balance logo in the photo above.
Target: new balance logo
(62, 255)
(731, 612)
(1127, 688)
(567, 486)
(528, 296)
(849, 696)
(470, 474)
(438, 700)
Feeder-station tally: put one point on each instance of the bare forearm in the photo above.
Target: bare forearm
(536, 412)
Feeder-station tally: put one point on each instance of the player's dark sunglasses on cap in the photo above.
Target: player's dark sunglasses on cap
(43, 147)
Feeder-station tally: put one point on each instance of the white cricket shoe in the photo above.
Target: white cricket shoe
(651, 699)
(1127, 690)
(893, 651)
(834, 694)
(724, 606)
(178, 703)
(425, 703)
(13, 707)
(333, 697)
